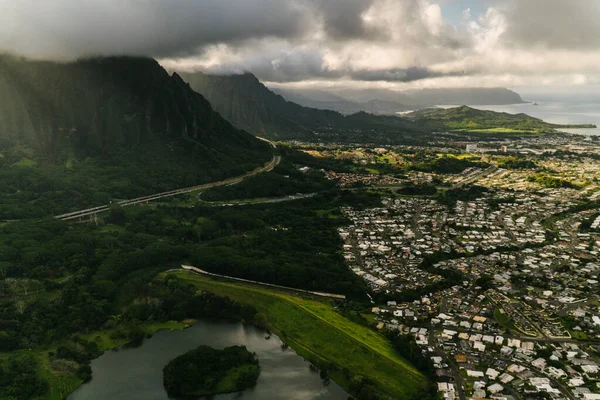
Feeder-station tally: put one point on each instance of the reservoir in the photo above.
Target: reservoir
(136, 373)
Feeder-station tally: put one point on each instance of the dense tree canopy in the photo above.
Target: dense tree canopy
(205, 371)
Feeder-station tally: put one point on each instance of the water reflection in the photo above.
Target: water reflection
(134, 373)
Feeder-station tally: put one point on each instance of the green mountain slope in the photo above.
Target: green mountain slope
(82, 133)
(245, 102)
(467, 118)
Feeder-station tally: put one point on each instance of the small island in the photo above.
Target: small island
(206, 371)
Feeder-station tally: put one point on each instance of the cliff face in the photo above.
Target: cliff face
(249, 105)
(98, 104)
(245, 102)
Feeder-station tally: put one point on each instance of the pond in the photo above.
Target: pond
(135, 373)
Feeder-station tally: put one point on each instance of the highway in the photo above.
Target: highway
(144, 199)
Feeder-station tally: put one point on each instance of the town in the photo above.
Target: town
(498, 286)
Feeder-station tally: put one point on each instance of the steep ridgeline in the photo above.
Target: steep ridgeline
(100, 104)
(245, 102)
(86, 132)
(330, 101)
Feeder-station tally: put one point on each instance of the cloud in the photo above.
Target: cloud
(552, 24)
(345, 20)
(397, 42)
(158, 28)
(362, 40)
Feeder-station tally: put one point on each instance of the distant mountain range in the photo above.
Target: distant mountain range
(385, 101)
(248, 104)
(330, 101)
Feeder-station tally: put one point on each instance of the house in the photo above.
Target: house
(506, 378)
(556, 372)
(492, 373)
(475, 374)
(461, 358)
(495, 388)
(539, 363)
(479, 346)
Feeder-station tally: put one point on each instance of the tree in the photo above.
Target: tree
(117, 214)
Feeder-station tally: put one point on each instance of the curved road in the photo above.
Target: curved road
(144, 199)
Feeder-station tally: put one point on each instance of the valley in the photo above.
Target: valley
(447, 240)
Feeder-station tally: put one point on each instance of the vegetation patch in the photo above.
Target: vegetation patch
(465, 118)
(25, 162)
(206, 371)
(553, 182)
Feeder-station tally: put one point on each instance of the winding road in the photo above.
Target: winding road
(144, 199)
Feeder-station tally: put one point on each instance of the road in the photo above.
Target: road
(231, 278)
(474, 177)
(244, 202)
(144, 199)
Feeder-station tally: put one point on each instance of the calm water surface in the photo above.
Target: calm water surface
(136, 373)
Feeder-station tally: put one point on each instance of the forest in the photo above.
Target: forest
(59, 281)
(80, 134)
(207, 371)
(285, 179)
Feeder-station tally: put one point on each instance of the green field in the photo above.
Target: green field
(324, 337)
(503, 319)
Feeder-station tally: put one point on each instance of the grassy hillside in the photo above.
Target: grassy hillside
(323, 336)
(465, 118)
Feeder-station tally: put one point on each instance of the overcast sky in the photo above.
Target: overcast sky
(390, 43)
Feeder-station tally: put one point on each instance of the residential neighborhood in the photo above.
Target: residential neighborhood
(523, 320)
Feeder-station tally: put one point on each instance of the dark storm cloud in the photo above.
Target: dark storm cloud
(160, 28)
(342, 20)
(553, 24)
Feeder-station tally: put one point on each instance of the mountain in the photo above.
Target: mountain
(329, 101)
(471, 119)
(245, 102)
(386, 101)
(470, 96)
(99, 104)
(107, 128)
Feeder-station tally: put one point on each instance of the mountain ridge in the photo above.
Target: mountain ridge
(84, 133)
(100, 102)
(386, 101)
(247, 103)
